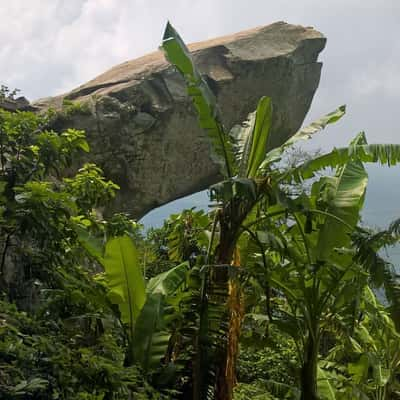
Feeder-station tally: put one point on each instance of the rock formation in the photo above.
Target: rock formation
(18, 104)
(141, 124)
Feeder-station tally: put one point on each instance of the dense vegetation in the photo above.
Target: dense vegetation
(271, 295)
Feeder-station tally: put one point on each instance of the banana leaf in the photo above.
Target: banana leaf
(150, 338)
(168, 282)
(326, 388)
(303, 134)
(254, 137)
(344, 196)
(385, 154)
(203, 98)
(124, 278)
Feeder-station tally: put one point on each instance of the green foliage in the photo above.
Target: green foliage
(187, 234)
(305, 133)
(267, 363)
(385, 154)
(36, 223)
(150, 339)
(7, 93)
(297, 247)
(253, 139)
(70, 344)
(124, 278)
(67, 356)
(308, 254)
(91, 309)
(255, 391)
(70, 108)
(90, 189)
(272, 358)
(203, 99)
(168, 282)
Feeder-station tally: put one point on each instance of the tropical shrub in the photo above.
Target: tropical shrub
(60, 336)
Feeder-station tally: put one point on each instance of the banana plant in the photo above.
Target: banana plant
(203, 98)
(254, 182)
(376, 351)
(316, 265)
(143, 308)
(124, 279)
(365, 362)
(243, 162)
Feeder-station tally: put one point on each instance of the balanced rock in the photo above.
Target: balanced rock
(142, 126)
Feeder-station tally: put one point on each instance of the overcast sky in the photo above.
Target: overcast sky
(51, 46)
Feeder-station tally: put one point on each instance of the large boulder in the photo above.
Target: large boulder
(142, 126)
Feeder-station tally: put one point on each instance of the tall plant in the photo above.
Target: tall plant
(312, 267)
(244, 186)
(252, 180)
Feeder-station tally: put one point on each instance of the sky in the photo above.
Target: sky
(51, 46)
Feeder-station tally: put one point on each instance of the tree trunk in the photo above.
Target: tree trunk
(309, 369)
(226, 378)
(226, 374)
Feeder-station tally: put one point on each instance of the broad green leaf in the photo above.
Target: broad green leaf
(385, 154)
(255, 143)
(316, 126)
(381, 375)
(303, 134)
(359, 369)
(344, 201)
(365, 337)
(242, 138)
(167, 283)
(325, 387)
(150, 338)
(369, 297)
(343, 195)
(204, 101)
(177, 53)
(91, 244)
(124, 277)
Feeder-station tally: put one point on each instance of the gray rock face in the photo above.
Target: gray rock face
(18, 104)
(142, 127)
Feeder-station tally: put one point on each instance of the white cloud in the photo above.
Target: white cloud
(380, 79)
(50, 46)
